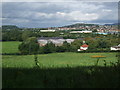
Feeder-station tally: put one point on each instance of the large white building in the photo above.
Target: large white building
(81, 31)
(49, 30)
(55, 40)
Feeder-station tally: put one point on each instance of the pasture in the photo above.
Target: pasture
(57, 60)
(58, 70)
(10, 46)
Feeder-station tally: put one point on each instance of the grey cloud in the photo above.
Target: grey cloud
(46, 14)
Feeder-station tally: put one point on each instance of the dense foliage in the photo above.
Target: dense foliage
(29, 46)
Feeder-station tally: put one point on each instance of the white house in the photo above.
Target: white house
(115, 48)
(83, 47)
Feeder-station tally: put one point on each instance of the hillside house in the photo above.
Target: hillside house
(115, 48)
(83, 47)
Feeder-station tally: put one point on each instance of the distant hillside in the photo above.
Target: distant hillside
(79, 24)
(5, 27)
(113, 24)
(116, 24)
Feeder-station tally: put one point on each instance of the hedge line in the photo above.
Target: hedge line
(92, 51)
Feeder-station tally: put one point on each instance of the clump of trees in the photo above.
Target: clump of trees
(29, 46)
(12, 35)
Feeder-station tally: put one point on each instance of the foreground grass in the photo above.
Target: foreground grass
(60, 70)
(77, 77)
(56, 60)
(10, 46)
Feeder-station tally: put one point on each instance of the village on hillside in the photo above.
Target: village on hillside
(86, 28)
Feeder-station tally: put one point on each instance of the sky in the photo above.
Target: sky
(56, 14)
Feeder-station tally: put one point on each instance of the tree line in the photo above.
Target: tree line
(31, 46)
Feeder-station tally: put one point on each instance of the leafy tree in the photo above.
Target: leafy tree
(31, 39)
(29, 46)
(66, 46)
(41, 50)
(102, 43)
(95, 30)
(49, 48)
(60, 49)
(12, 35)
(75, 45)
(92, 44)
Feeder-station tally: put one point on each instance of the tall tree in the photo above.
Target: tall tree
(29, 46)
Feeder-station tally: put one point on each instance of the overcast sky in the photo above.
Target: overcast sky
(51, 14)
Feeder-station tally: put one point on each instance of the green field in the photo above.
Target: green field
(57, 60)
(57, 70)
(51, 60)
(10, 47)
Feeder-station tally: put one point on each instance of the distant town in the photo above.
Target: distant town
(85, 28)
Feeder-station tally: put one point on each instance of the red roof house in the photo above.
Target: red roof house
(83, 47)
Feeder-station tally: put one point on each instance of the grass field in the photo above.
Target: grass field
(57, 60)
(58, 70)
(50, 60)
(10, 47)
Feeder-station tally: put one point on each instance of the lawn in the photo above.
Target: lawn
(57, 60)
(10, 46)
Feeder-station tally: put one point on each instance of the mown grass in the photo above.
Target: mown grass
(10, 46)
(57, 60)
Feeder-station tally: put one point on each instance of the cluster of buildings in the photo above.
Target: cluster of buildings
(100, 29)
(108, 29)
(58, 41)
(85, 31)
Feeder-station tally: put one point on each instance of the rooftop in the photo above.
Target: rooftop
(84, 45)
